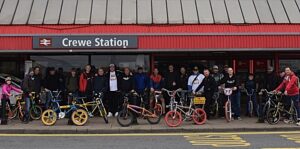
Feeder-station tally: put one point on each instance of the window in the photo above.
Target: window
(294, 64)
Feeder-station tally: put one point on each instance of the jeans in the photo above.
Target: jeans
(235, 104)
(295, 99)
(253, 98)
(27, 106)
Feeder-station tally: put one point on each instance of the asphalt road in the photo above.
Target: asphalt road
(257, 140)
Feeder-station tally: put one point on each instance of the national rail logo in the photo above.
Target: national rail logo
(45, 42)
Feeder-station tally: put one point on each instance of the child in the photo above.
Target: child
(250, 86)
(6, 93)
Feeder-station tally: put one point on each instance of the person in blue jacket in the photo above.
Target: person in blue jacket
(141, 80)
(250, 86)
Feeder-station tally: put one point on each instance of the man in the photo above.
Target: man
(31, 83)
(127, 86)
(183, 79)
(195, 80)
(216, 75)
(270, 81)
(230, 81)
(51, 83)
(171, 79)
(156, 84)
(86, 83)
(291, 90)
(142, 84)
(113, 97)
(210, 87)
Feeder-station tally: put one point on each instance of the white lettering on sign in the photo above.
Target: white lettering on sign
(76, 43)
(113, 42)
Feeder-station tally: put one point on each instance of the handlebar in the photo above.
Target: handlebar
(171, 93)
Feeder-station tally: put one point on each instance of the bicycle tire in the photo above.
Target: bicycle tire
(158, 113)
(199, 116)
(265, 109)
(49, 117)
(36, 112)
(103, 113)
(294, 114)
(175, 116)
(272, 117)
(21, 115)
(228, 112)
(125, 114)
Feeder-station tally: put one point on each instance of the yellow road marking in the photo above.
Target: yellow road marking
(282, 148)
(227, 140)
(154, 134)
(292, 137)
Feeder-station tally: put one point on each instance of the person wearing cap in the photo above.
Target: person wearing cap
(6, 93)
(195, 80)
(86, 82)
(269, 82)
(142, 82)
(113, 95)
(51, 83)
(216, 74)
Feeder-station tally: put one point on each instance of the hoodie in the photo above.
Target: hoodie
(289, 84)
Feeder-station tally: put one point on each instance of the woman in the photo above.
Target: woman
(6, 93)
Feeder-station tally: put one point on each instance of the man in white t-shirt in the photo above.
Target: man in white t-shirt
(195, 80)
(114, 102)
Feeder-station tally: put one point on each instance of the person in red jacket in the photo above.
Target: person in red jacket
(86, 83)
(291, 90)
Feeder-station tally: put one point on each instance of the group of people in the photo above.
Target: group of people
(114, 84)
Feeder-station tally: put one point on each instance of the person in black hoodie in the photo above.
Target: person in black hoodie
(230, 81)
(127, 86)
(51, 83)
(100, 82)
(171, 79)
(183, 79)
(72, 85)
(210, 87)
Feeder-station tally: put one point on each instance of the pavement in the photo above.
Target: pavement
(232, 140)
(97, 126)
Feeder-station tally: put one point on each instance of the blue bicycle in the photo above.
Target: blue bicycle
(79, 116)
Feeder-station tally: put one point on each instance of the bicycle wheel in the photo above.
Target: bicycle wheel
(157, 112)
(49, 117)
(12, 113)
(36, 112)
(199, 116)
(173, 118)
(103, 114)
(21, 115)
(265, 110)
(250, 107)
(79, 117)
(228, 112)
(294, 114)
(125, 118)
(273, 116)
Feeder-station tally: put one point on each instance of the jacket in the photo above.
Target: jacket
(250, 85)
(100, 84)
(51, 82)
(171, 77)
(289, 84)
(230, 82)
(156, 82)
(86, 82)
(183, 81)
(72, 84)
(210, 85)
(127, 83)
(141, 82)
(32, 84)
(6, 89)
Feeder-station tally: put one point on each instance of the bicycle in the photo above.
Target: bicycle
(35, 110)
(274, 114)
(18, 110)
(172, 95)
(250, 103)
(228, 110)
(174, 117)
(214, 108)
(126, 115)
(79, 116)
(97, 106)
(270, 103)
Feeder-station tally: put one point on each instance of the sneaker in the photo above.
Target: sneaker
(298, 123)
(109, 114)
(287, 121)
(90, 114)
(239, 118)
(116, 114)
